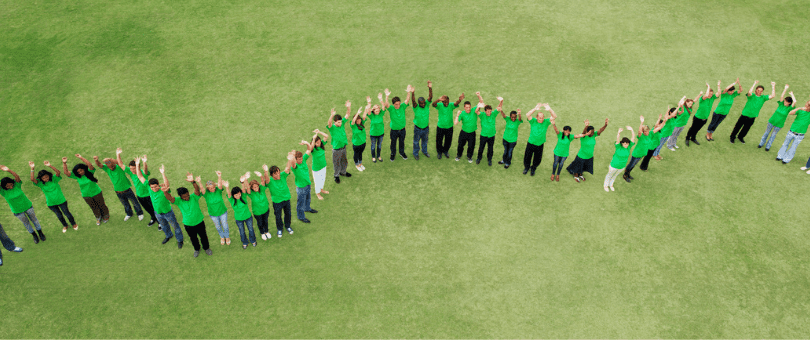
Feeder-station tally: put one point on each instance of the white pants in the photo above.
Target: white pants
(319, 177)
(611, 176)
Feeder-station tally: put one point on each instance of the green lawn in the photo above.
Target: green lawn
(708, 243)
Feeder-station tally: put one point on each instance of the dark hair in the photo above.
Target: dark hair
(43, 173)
(237, 190)
(182, 191)
(420, 100)
(467, 103)
(789, 100)
(515, 113)
(87, 172)
(132, 163)
(153, 181)
(672, 109)
(487, 107)
(317, 139)
(5, 181)
(567, 128)
(625, 140)
(298, 154)
(360, 126)
(589, 129)
(274, 169)
(336, 118)
(760, 87)
(730, 89)
(395, 100)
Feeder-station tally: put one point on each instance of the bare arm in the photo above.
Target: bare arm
(227, 189)
(58, 173)
(773, 90)
(355, 115)
(33, 179)
(163, 173)
(793, 104)
(165, 189)
(640, 126)
(550, 111)
(632, 135)
(603, 127)
(308, 145)
(118, 157)
(707, 91)
(145, 167)
(717, 94)
(619, 136)
(266, 176)
(752, 88)
(385, 102)
(98, 163)
(86, 162)
(138, 171)
(460, 98)
(500, 105)
(697, 97)
(219, 180)
(290, 161)
(331, 119)
(480, 99)
(782, 98)
(430, 91)
(348, 109)
(455, 119)
(64, 167)
(196, 188)
(554, 125)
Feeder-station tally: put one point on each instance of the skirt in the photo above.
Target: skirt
(581, 166)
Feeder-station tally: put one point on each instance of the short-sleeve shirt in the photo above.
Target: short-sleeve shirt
(216, 206)
(668, 128)
(705, 107)
(538, 134)
(301, 172)
(397, 117)
(338, 133)
(621, 155)
(358, 136)
(445, 115)
(469, 121)
(377, 125)
(587, 145)
(563, 145)
(754, 105)
(318, 159)
(654, 140)
(118, 177)
(141, 189)
(682, 119)
(488, 123)
(800, 123)
(258, 200)
(726, 100)
(192, 215)
(279, 191)
(510, 132)
(421, 115)
(52, 190)
(86, 186)
(16, 199)
(159, 202)
(241, 211)
(780, 115)
(641, 146)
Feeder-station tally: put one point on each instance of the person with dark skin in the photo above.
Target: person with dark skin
(584, 160)
(121, 185)
(444, 127)
(510, 134)
(7, 243)
(189, 206)
(20, 205)
(54, 197)
(84, 173)
(421, 118)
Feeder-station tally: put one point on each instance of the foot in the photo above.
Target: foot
(576, 179)
(347, 174)
(630, 177)
(606, 189)
(525, 170)
(783, 162)
(658, 158)
(196, 253)
(227, 241)
(289, 230)
(457, 159)
(552, 177)
(374, 160)
(506, 166)
(305, 220)
(357, 167)
(695, 141)
(179, 245)
(264, 237)
(75, 227)
(391, 159)
(126, 218)
(166, 240)
(500, 162)
(742, 140)
(160, 228)
(582, 178)
(445, 155)
(766, 150)
(489, 163)
(36, 238)
(362, 167)
(778, 159)
(612, 189)
(731, 139)
(222, 241)
(244, 246)
(759, 146)
(416, 156)
(687, 142)
(671, 149)
(626, 179)
(557, 178)
(208, 252)
(151, 223)
(313, 211)
(105, 219)
(140, 217)
(319, 196)
(677, 147)
(533, 172)
(426, 154)
(478, 161)
(337, 180)
(808, 172)
(254, 244)
(279, 233)
(469, 160)
(17, 250)
(404, 157)
(803, 168)
(41, 235)
(98, 221)
(439, 155)
(64, 230)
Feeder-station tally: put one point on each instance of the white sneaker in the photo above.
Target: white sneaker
(808, 172)
(140, 217)
(612, 189)
(803, 168)
(264, 237)
(671, 149)
(363, 167)
(358, 167)
(677, 147)
(126, 217)
(606, 189)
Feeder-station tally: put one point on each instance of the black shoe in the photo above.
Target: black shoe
(337, 180)
(630, 177)
(392, 158)
(166, 240)
(196, 253)
(687, 142)
(36, 238)
(626, 179)
(500, 162)
(778, 159)
(41, 235)
(489, 163)
(478, 161)
(179, 245)
(742, 140)
(525, 170)
(695, 141)
(759, 146)
(533, 172)
(426, 154)
(305, 220)
(446, 155)
(416, 157)
(766, 150)
(732, 140)
(783, 162)
(404, 156)
(506, 167)
(347, 174)
(151, 223)
(439, 156)
(313, 211)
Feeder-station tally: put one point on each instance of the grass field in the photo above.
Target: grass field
(709, 243)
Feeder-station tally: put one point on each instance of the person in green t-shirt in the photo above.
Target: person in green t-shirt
(680, 122)
(241, 213)
(722, 109)
(584, 160)
(702, 113)
(510, 134)
(564, 139)
(669, 126)
(396, 112)
(121, 185)
(620, 157)
(537, 138)
(778, 118)
(339, 141)
(302, 183)
(255, 190)
(376, 131)
(469, 124)
(444, 127)
(20, 205)
(280, 193)
(421, 118)
(639, 151)
(163, 209)
(795, 135)
(319, 162)
(216, 209)
(189, 206)
(359, 135)
(751, 110)
(141, 189)
(54, 197)
(652, 142)
(84, 174)
(488, 124)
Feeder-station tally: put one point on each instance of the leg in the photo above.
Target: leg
(562, 162)
(361, 148)
(203, 235)
(792, 151)
(645, 163)
(490, 145)
(308, 198)
(527, 156)
(783, 150)
(164, 222)
(123, 199)
(773, 136)
(277, 209)
(471, 148)
(6, 241)
(24, 219)
(241, 226)
(448, 140)
(178, 233)
(461, 142)
(343, 162)
(58, 212)
(135, 204)
(146, 203)
(318, 178)
(424, 138)
(538, 156)
(482, 143)
(218, 224)
(394, 137)
(92, 204)
(299, 206)
(105, 212)
(379, 146)
(192, 234)
(402, 143)
(336, 161)
(287, 215)
(251, 233)
(737, 126)
(765, 135)
(746, 126)
(416, 136)
(660, 145)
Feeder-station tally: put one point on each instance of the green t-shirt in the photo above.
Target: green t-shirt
(86, 186)
(258, 200)
(641, 146)
(587, 145)
(668, 128)
(216, 206)
(358, 136)
(469, 121)
(421, 115)
(118, 177)
(192, 215)
(538, 134)
(318, 159)
(377, 125)
(141, 189)
(445, 115)
(16, 199)
(563, 145)
(800, 123)
(780, 115)
(241, 212)
(397, 117)
(754, 105)
(52, 191)
(621, 155)
(159, 202)
(705, 107)
(510, 132)
(279, 191)
(654, 141)
(488, 123)
(725, 103)
(682, 119)
(301, 172)
(338, 133)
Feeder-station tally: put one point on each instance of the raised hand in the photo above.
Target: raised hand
(786, 86)
(537, 107)
(247, 174)
(258, 174)
(219, 173)
(64, 159)
(430, 83)
(162, 169)
(500, 99)
(387, 92)
(333, 111)
(368, 100)
(31, 164)
(78, 156)
(462, 95)
(118, 151)
(546, 106)
(359, 110)
(409, 89)
(242, 179)
(144, 158)
(642, 119)
(3, 167)
(189, 177)
(478, 93)
(95, 158)
(348, 103)
(48, 163)
(587, 122)
(379, 96)
(226, 184)
(164, 187)
(629, 128)
(773, 83)
(265, 167)
(199, 180)
(518, 111)
(606, 121)
(290, 156)
(620, 130)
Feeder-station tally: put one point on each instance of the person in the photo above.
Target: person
(750, 111)
(469, 124)
(680, 122)
(255, 190)
(561, 149)
(510, 135)
(189, 205)
(584, 160)
(639, 151)
(488, 123)
(280, 194)
(796, 133)
(620, 156)
(216, 209)
(359, 136)
(444, 127)
(537, 138)
(669, 127)
(7, 243)
(339, 141)
(421, 118)
(652, 142)
(21, 207)
(778, 119)
(241, 213)
(121, 184)
(702, 114)
(163, 209)
(84, 174)
(302, 183)
(376, 131)
(141, 189)
(319, 162)
(722, 109)
(54, 198)
(396, 113)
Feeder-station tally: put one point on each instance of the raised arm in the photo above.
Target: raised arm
(640, 126)
(529, 114)
(242, 180)
(163, 173)
(331, 119)
(384, 103)
(219, 179)
(550, 111)
(739, 90)
(632, 135)
(33, 179)
(227, 189)
(793, 104)
(430, 91)
(773, 90)
(348, 108)
(290, 161)
(408, 90)
(138, 171)
(308, 145)
(118, 157)
(500, 105)
(360, 110)
(480, 99)
(708, 87)
(324, 136)
(460, 98)
(98, 163)
(86, 162)
(554, 125)
(751, 91)
(266, 176)
(717, 94)
(455, 119)
(64, 167)
(145, 167)
(602, 129)
(48, 164)
(165, 188)
(619, 136)
(196, 185)
(14, 174)
(478, 109)
(782, 98)
(697, 97)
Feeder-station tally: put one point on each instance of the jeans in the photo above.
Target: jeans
(716, 120)
(304, 198)
(508, 148)
(398, 138)
(221, 223)
(7, 242)
(278, 208)
(558, 165)
(742, 126)
(98, 206)
(262, 221)
(125, 197)
(765, 136)
(165, 220)
(196, 231)
(645, 163)
(611, 176)
(487, 142)
(444, 137)
(358, 153)
(146, 204)
(533, 156)
(631, 165)
(661, 143)
(697, 124)
(339, 161)
(241, 225)
(62, 208)
(420, 135)
(786, 153)
(465, 138)
(674, 138)
(376, 146)
(27, 218)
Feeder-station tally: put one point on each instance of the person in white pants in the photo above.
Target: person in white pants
(620, 156)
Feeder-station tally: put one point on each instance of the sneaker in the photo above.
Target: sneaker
(808, 172)
(500, 162)
(445, 155)
(439, 156)
(279, 233)
(416, 157)
(140, 217)
(742, 140)
(17, 250)
(803, 168)
(337, 180)
(196, 253)
(612, 189)
(106, 219)
(731, 139)
(289, 230)
(166, 240)
(358, 167)
(783, 162)
(778, 159)
(36, 238)
(671, 149)
(404, 157)
(312, 211)
(264, 237)
(362, 167)
(348, 174)
(759, 146)
(489, 163)
(457, 159)
(305, 220)
(76, 227)
(626, 179)
(426, 154)
(478, 161)
(208, 252)
(152, 222)
(254, 244)
(244, 246)
(469, 160)
(525, 170)
(64, 230)
(677, 147)
(766, 150)
(392, 158)
(98, 221)
(506, 166)
(160, 228)
(687, 142)
(41, 235)
(126, 218)
(582, 178)
(533, 171)
(695, 141)
(179, 245)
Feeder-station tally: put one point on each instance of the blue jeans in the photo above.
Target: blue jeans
(165, 220)
(125, 197)
(241, 226)
(59, 209)
(376, 146)
(304, 198)
(7, 242)
(221, 223)
(786, 153)
(27, 216)
(420, 134)
(773, 136)
(558, 165)
(660, 145)
(508, 148)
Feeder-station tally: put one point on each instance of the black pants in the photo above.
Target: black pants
(631, 165)
(488, 142)
(444, 137)
(62, 208)
(533, 156)
(716, 120)
(358, 153)
(743, 125)
(645, 163)
(262, 222)
(697, 124)
(465, 138)
(146, 203)
(398, 135)
(195, 231)
(277, 210)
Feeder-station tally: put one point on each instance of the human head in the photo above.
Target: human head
(396, 102)
(236, 192)
(488, 109)
(567, 131)
(645, 129)
(759, 90)
(513, 115)
(358, 120)
(7, 183)
(275, 172)
(589, 131)
(730, 90)
(467, 106)
(81, 170)
(183, 193)
(421, 101)
(625, 142)
(338, 121)
(688, 103)
(109, 163)
(445, 100)
(711, 92)
(375, 109)
(788, 101)
(299, 157)
(44, 176)
(132, 166)
(210, 186)
(318, 143)
(254, 185)
(154, 184)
